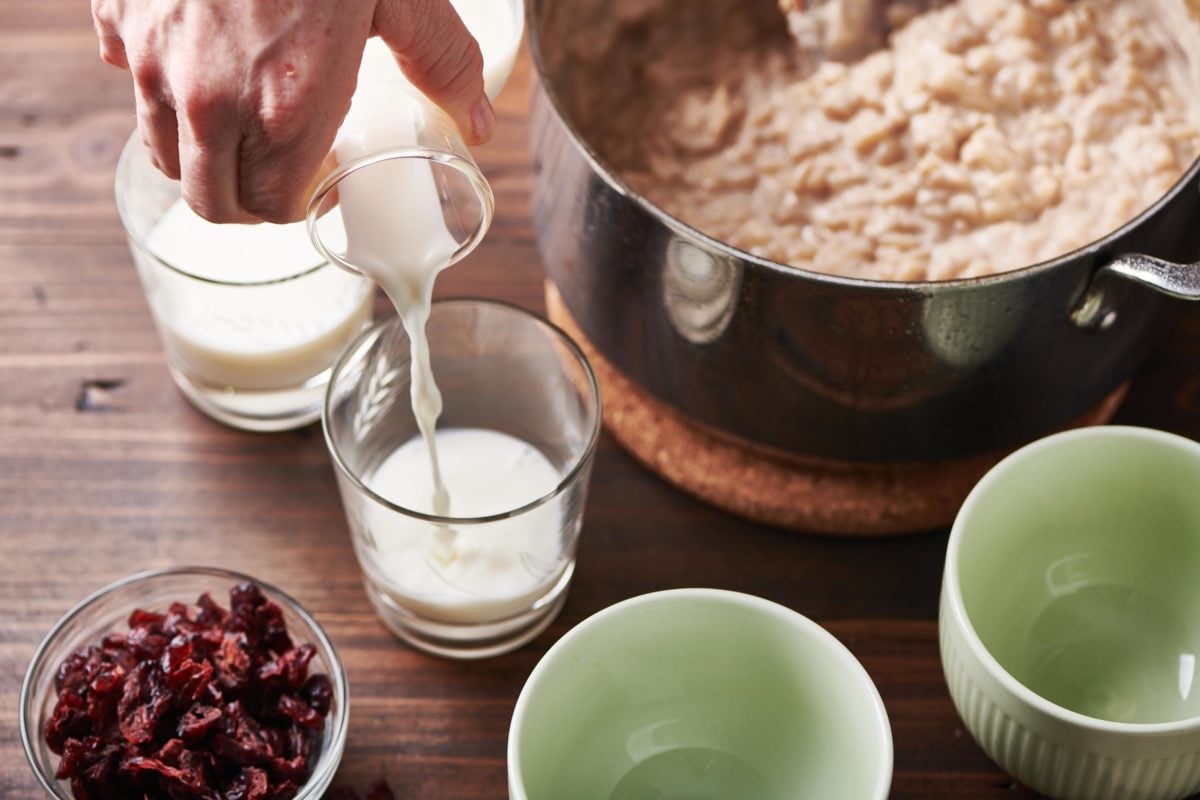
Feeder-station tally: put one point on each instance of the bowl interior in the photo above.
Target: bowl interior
(1078, 563)
(108, 611)
(700, 695)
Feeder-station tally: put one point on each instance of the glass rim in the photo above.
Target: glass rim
(568, 478)
(121, 192)
(326, 764)
(448, 158)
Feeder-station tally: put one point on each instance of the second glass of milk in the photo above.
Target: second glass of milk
(251, 317)
(515, 441)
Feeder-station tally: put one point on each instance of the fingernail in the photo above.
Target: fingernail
(483, 120)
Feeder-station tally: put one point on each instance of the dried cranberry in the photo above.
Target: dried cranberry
(232, 662)
(139, 618)
(300, 712)
(289, 669)
(318, 691)
(69, 720)
(143, 703)
(250, 784)
(146, 643)
(197, 722)
(272, 628)
(190, 681)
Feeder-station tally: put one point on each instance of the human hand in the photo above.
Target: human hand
(241, 99)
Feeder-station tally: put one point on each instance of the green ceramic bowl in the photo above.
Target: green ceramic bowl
(699, 694)
(1070, 618)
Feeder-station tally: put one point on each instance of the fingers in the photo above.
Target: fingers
(243, 114)
(441, 58)
(156, 124)
(155, 114)
(209, 147)
(112, 49)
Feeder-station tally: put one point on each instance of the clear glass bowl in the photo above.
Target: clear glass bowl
(108, 609)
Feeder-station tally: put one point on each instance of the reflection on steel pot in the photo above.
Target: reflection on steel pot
(700, 291)
(834, 367)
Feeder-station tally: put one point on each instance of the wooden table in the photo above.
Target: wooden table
(105, 469)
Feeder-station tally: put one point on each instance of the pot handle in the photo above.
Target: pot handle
(1096, 311)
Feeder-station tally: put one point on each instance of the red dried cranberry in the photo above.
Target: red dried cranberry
(143, 703)
(232, 662)
(197, 722)
(140, 618)
(190, 681)
(300, 712)
(289, 669)
(250, 784)
(318, 691)
(146, 643)
(69, 720)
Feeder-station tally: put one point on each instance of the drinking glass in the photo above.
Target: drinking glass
(253, 353)
(500, 369)
(405, 174)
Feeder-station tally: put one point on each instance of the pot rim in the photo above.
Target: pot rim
(678, 226)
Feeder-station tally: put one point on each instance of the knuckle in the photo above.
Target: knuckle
(146, 70)
(279, 120)
(260, 193)
(205, 107)
(267, 189)
(204, 206)
(266, 205)
(205, 94)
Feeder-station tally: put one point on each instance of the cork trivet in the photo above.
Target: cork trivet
(745, 479)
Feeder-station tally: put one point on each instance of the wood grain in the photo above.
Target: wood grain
(106, 470)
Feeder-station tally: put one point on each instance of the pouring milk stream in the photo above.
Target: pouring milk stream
(397, 234)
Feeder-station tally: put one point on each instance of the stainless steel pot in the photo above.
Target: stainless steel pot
(834, 367)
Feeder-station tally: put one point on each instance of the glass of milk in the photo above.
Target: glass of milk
(251, 317)
(515, 443)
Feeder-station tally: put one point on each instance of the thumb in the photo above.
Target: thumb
(441, 58)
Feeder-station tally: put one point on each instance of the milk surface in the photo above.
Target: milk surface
(250, 337)
(491, 571)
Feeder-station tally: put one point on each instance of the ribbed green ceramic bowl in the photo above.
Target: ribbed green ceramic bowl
(1070, 615)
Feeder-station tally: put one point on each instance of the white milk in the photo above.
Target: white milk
(397, 235)
(493, 571)
(250, 338)
(395, 230)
